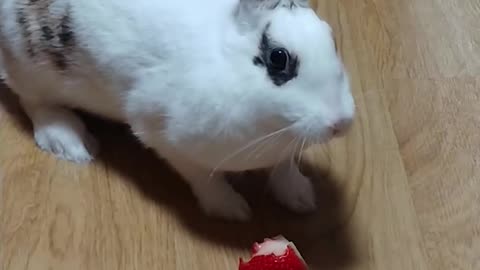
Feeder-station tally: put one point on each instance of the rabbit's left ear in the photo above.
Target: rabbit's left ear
(256, 5)
(249, 12)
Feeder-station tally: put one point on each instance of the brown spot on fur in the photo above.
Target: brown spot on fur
(47, 33)
(47, 29)
(23, 22)
(66, 35)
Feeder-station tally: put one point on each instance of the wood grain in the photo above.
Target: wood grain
(401, 191)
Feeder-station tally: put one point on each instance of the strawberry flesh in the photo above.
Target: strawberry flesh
(274, 254)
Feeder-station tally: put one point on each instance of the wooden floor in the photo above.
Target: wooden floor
(402, 191)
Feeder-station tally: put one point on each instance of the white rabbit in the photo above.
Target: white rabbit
(212, 86)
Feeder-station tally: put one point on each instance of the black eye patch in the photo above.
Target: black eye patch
(280, 64)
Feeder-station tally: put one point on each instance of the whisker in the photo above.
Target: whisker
(262, 148)
(279, 160)
(281, 156)
(300, 154)
(292, 157)
(244, 148)
(259, 146)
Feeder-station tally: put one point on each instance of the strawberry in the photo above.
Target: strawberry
(274, 254)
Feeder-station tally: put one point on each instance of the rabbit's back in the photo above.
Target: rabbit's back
(88, 53)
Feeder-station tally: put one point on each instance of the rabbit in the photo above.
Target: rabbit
(211, 86)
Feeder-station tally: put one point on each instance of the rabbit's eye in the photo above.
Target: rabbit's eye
(279, 59)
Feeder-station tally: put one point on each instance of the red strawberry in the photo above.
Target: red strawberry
(274, 254)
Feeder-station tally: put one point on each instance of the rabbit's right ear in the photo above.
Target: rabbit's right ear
(249, 12)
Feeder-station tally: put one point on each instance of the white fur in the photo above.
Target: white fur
(181, 74)
(61, 132)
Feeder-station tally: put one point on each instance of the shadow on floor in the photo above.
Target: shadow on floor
(322, 237)
(9, 103)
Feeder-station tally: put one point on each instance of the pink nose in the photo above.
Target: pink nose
(341, 126)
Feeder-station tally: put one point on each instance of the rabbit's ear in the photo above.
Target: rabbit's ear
(250, 12)
(252, 5)
(255, 5)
